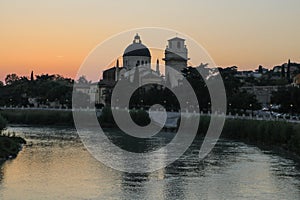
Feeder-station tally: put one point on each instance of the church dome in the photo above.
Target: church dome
(137, 48)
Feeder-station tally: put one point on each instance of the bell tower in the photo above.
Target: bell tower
(176, 57)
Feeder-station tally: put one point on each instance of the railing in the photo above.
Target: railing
(266, 117)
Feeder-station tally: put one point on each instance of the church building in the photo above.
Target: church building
(137, 56)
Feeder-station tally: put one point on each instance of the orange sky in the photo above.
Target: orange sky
(56, 36)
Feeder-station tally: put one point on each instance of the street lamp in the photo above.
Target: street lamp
(271, 105)
(229, 109)
(291, 108)
(251, 109)
(142, 101)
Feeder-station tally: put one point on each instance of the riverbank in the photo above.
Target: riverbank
(10, 146)
(279, 134)
(271, 134)
(262, 133)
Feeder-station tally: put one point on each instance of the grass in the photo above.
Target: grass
(281, 134)
(38, 117)
(140, 117)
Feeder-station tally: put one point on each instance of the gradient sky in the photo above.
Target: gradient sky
(55, 36)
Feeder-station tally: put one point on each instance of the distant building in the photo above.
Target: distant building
(90, 89)
(286, 71)
(296, 80)
(263, 93)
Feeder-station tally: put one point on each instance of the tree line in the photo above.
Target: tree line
(46, 88)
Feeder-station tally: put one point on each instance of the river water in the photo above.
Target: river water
(55, 165)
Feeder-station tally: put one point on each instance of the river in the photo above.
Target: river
(55, 165)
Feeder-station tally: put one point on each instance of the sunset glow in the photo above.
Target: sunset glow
(56, 36)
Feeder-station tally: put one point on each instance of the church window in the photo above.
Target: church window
(142, 62)
(178, 45)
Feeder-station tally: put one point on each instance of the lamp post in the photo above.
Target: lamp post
(67, 103)
(250, 105)
(165, 103)
(291, 108)
(142, 103)
(187, 105)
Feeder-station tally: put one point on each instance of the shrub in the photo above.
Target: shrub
(140, 117)
(3, 123)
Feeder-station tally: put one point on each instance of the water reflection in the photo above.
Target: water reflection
(55, 165)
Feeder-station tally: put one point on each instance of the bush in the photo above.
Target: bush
(106, 117)
(3, 123)
(271, 133)
(140, 117)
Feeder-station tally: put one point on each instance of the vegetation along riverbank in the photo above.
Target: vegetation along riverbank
(38, 117)
(10, 145)
(279, 134)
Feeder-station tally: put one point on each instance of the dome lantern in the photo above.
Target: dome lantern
(137, 39)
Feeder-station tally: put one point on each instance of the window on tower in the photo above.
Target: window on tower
(178, 45)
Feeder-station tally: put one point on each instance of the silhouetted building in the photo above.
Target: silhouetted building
(176, 57)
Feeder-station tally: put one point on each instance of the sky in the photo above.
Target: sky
(56, 36)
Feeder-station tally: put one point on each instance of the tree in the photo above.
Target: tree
(260, 69)
(288, 73)
(288, 98)
(31, 76)
(82, 80)
(3, 123)
(11, 78)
